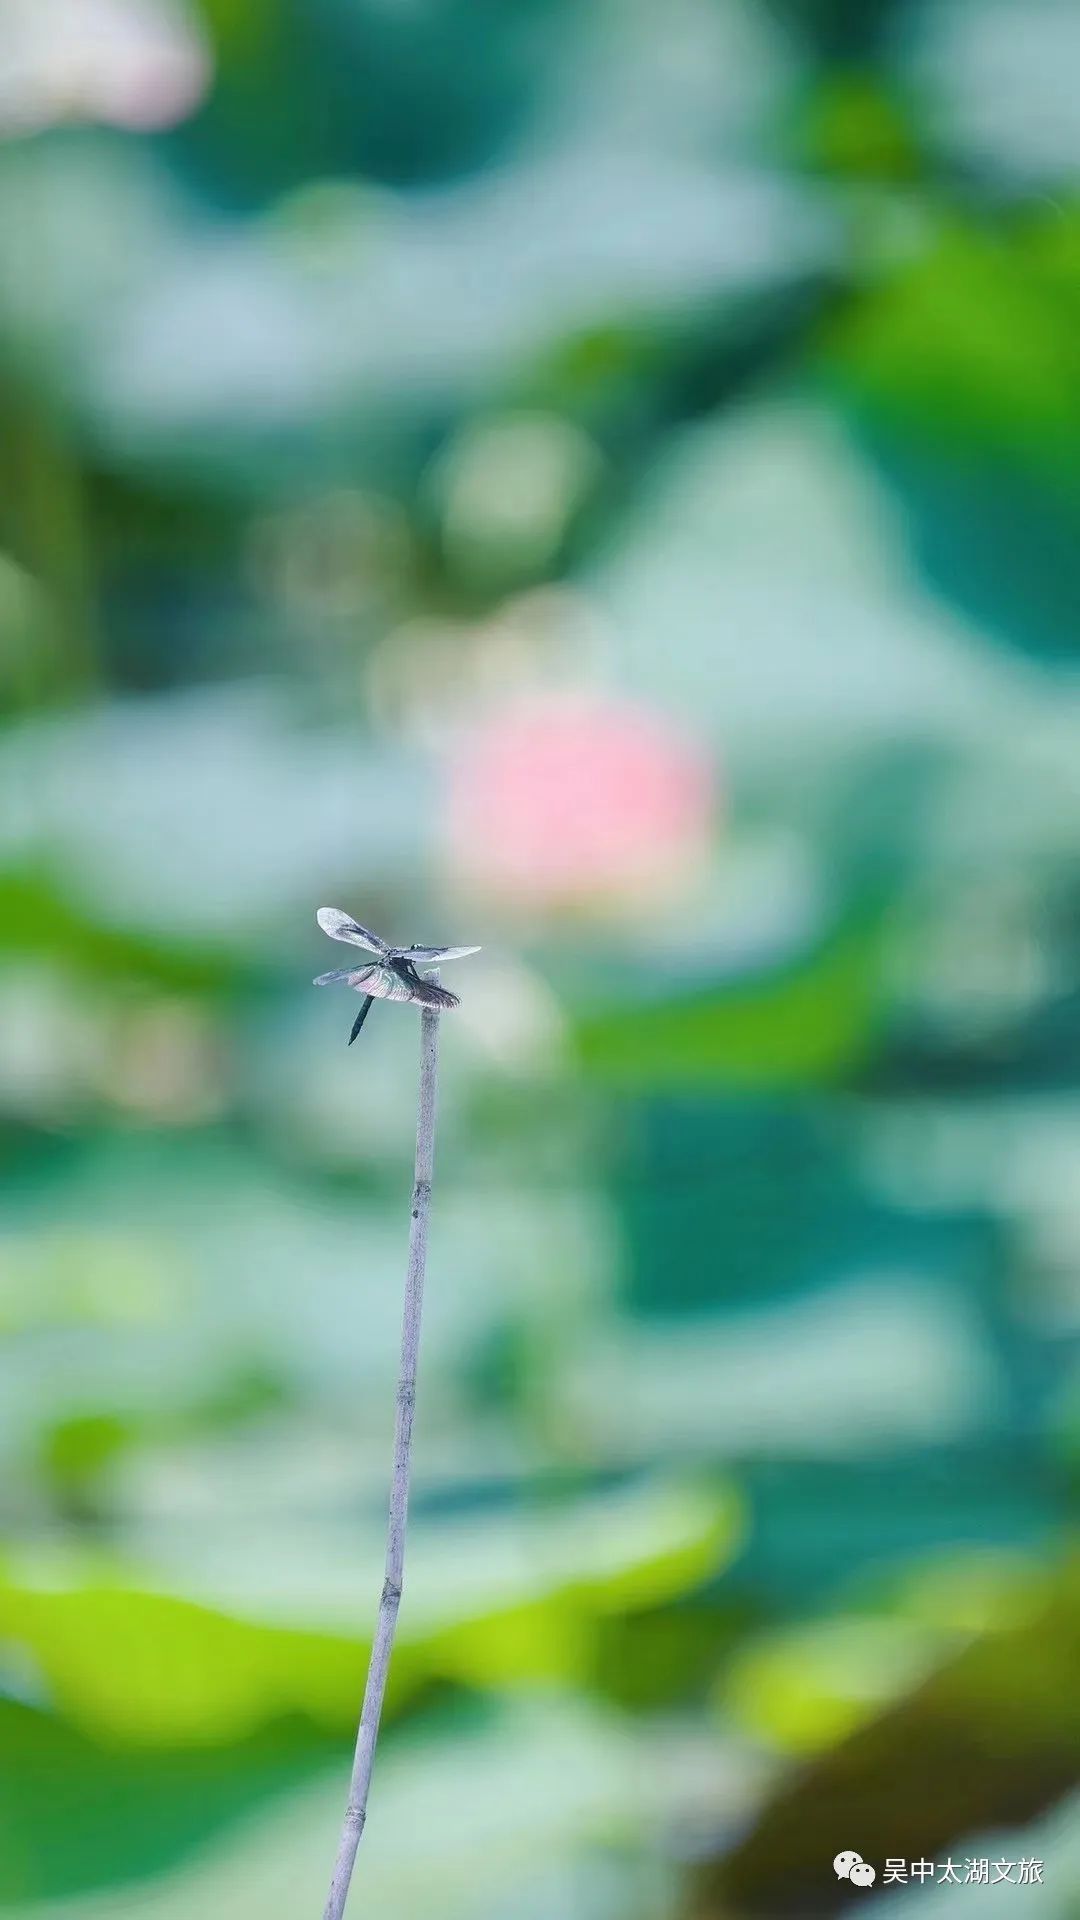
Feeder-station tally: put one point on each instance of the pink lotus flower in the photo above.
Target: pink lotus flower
(578, 802)
(136, 64)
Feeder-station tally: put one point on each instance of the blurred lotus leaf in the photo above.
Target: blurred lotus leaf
(538, 1803)
(510, 1601)
(988, 1738)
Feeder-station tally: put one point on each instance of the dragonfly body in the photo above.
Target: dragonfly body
(394, 972)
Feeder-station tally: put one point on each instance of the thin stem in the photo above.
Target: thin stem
(363, 1761)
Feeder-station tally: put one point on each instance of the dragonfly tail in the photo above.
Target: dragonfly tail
(361, 1016)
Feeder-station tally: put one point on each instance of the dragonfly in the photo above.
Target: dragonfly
(392, 975)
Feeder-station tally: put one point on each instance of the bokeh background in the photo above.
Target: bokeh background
(602, 481)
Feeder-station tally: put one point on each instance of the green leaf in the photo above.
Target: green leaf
(810, 1022)
(121, 1814)
(512, 1599)
(543, 1809)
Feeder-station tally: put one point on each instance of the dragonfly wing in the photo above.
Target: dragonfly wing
(427, 994)
(384, 984)
(342, 926)
(431, 956)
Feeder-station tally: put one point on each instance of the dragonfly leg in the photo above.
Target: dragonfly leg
(361, 1016)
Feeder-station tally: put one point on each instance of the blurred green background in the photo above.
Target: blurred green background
(601, 480)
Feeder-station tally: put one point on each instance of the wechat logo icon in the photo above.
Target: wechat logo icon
(851, 1866)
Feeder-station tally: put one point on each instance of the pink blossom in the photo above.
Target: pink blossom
(137, 64)
(578, 802)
